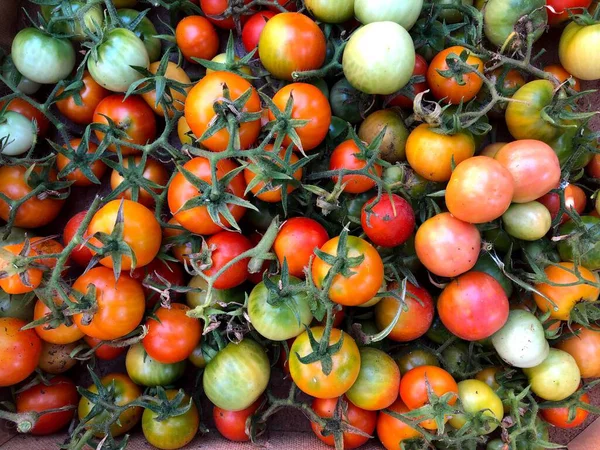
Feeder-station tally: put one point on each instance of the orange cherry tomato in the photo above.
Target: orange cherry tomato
(63, 334)
(20, 351)
(391, 431)
(91, 95)
(450, 89)
(175, 98)
(196, 37)
(153, 171)
(79, 179)
(18, 283)
(562, 75)
(346, 156)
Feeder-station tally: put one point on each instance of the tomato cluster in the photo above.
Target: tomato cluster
(392, 205)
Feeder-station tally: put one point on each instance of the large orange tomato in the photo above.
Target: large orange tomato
(449, 89)
(585, 348)
(347, 156)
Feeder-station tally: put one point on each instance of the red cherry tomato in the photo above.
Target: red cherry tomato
(253, 28)
(420, 70)
(390, 222)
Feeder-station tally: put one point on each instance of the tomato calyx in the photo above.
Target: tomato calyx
(166, 408)
(458, 67)
(80, 158)
(560, 112)
(283, 125)
(232, 63)
(133, 179)
(337, 426)
(18, 260)
(321, 351)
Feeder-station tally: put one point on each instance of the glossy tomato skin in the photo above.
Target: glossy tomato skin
(91, 95)
(196, 37)
(576, 50)
(155, 272)
(20, 351)
(27, 110)
(390, 222)
(62, 334)
(281, 34)
(391, 431)
(474, 306)
(232, 424)
(559, 417)
(476, 396)
(555, 378)
(366, 278)
(585, 348)
(80, 254)
(153, 171)
(416, 358)
(448, 89)
(172, 335)
(346, 156)
(310, 377)
(560, 10)
(421, 68)
(105, 352)
(79, 179)
(296, 241)
(144, 370)
(309, 103)
(227, 246)
(13, 284)
(59, 392)
(120, 304)
(217, 8)
(253, 28)
(575, 198)
(354, 416)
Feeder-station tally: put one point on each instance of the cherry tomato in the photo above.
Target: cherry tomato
(80, 254)
(585, 348)
(62, 334)
(196, 37)
(232, 424)
(390, 222)
(217, 8)
(227, 246)
(559, 417)
(575, 198)
(347, 156)
(454, 90)
(253, 28)
(562, 76)
(391, 431)
(105, 352)
(91, 95)
(560, 9)
(56, 358)
(79, 179)
(23, 282)
(20, 351)
(403, 101)
(153, 171)
(174, 98)
(26, 109)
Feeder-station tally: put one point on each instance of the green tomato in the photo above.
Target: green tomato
(93, 18)
(19, 306)
(144, 370)
(145, 30)
(541, 251)
(588, 243)
(416, 358)
(42, 58)
(17, 134)
(393, 145)
(198, 297)
(379, 58)
(556, 377)
(111, 61)
(24, 84)
(501, 17)
(476, 396)
(279, 318)
(486, 264)
(452, 15)
(498, 238)
(563, 147)
(428, 38)
(237, 375)
(322, 85)
(438, 333)
(331, 12)
(404, 13)
(527, 221)
(345, 101)
(456, 358)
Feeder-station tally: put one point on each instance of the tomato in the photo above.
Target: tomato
(253, 29)
(447, 246)
(174, 432)
(556, 377)
(415, 384)
(111, 64)
(141, 232)
(62, 334)
(390, 222)
(156, 273)
(145, 30)
(575, 198)
(237, 376)
(476, 396)
(310, 377)
(27, 110)
(227, 246)
(232, 424)
(393, 432)
(534, 167)
(35, 212)
(153, 171)
(144, 370)
(585, 348)
(576, 51)
(120, 304)
(197, 38)
(364, 279)
(56, 358)
(565, 297)
(217, 8)
(41, 57)
(403, 13)
(527, 221)
(197, 296)
(325, 11)
(587, 244)
(310, 104)
(431, 154)
(58, 393)
(379, 58)
(91, 95)
(80, 254)
(559, 417)
(131, 115)
(562, 76)
(416, 316)
(420, 69)
(377, 384)
(69, 172)
(296, 241)
(172, 335)
(20, 351)
(450, 89)
(415, 358)
(486, 264)
(280, 34)
(354, 416)
(200, 112)
(392, 147)
(93, 18)
(500, 18)
(347, 156)
(105, 352)
(124, 391)
(173, 98)
(561, 9)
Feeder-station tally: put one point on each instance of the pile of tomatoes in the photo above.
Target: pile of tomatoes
(392, 206)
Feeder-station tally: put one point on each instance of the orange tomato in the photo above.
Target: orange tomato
(79, 179)
(346, 156)
(15, 284)
(153, 171)
(62, 334)
(449, 89)
(175, 98)
(562, 75)
(585, 348)
(91, 95)
(196, 37)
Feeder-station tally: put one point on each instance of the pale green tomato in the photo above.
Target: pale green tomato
(331, 12)
(17, 134)
(527, 221)
(477, 396)
(93, 18)
(556, 377)
(403, 12)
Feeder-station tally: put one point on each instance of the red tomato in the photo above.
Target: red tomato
(59, 392)
(232, 424)
(390, 222)
(217, 8)
(172, 335)
(345, 156)
(253, 28)
(196, 37)
(296, 242)
(98, 167)
(391, 431)
(473, 306)
(26, 109)
(420, 70)
(105, 352)
(19, 351)
(559, 417)
(449, 89)
(593, 168)
(575, 198)
(91, 95)
(290, 5)
(560, 9)
(154, 273)
(80, 254)
(226, 246)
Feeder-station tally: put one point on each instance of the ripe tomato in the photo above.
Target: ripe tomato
(414, 388)
(105, 352)
(473, 306)
(556, 378)
(45, 246)
(80, 254)
(365, 279)
(534, 167)
(476, 396)
(310, 104)
(56, 359)
(15, 284)
(416, 317)
(480, 190)
(390, 222)
(58, 393)
(575, 198)
(174, 98)
(507, 87)
(196, 37)
(447, 246)
(20, 351)
(282, 33)
(98, 167)
(562, 75)
(197, 219)
(154, 273)
(232, 424)
(227, 246)
(565, 297)
(217, 8)
(141, 232)
(310, 377)
(559, 417)
(345, 156)
(35, 212)
(172, 335)
(120, 304)
(296, 241)
(403, 101)
(450, 89)
(91, 95)
(253, 28)
(131, 115)
(585, 348)
(153, 171)
(561, 8)
(430, 154)
(593, 168)
(391, 431)
(354, 416)
(62, 334)
(29, 111)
